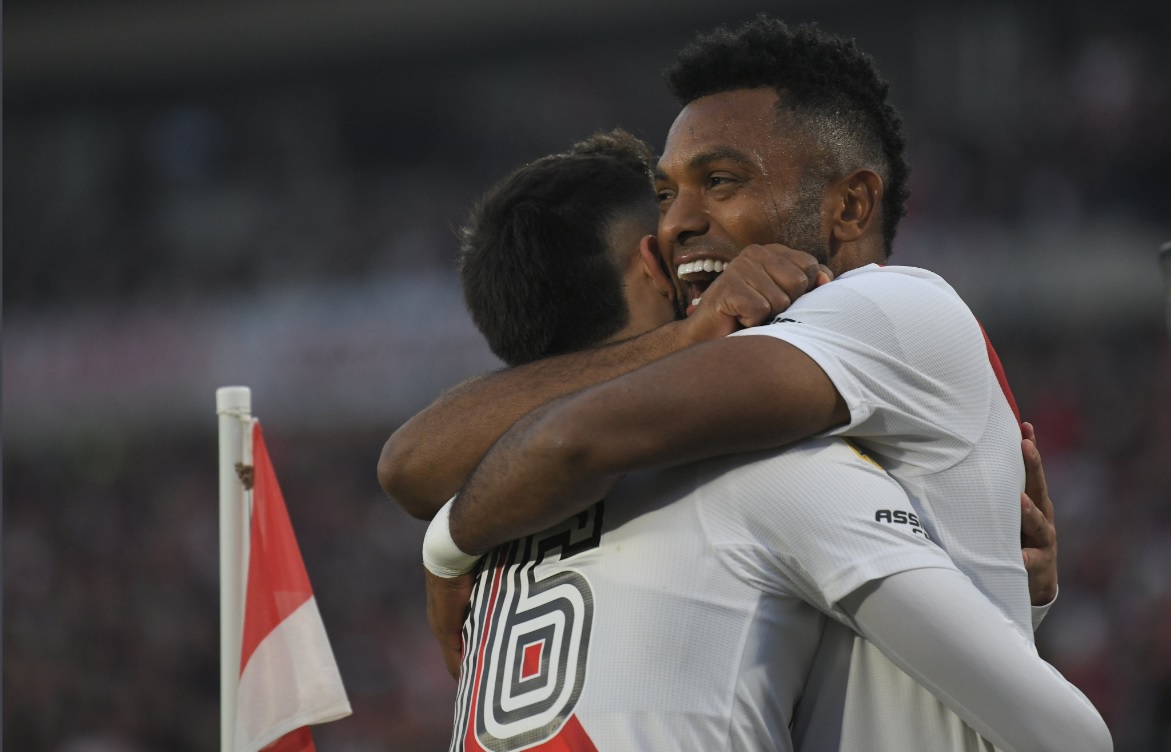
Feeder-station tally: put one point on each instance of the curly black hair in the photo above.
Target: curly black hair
(824, 79)
(538, 271)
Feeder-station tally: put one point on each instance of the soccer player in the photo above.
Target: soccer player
(791, 140)
(690, 595)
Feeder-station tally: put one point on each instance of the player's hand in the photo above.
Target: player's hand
(1038, 534)
(447, 607)
(761, 282)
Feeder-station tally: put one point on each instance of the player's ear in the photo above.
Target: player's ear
(653, 267)
(855, 206)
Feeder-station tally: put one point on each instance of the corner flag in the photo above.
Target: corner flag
(285, 677)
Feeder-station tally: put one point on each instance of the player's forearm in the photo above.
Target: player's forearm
(935, 625)
(734, 395)
(431, 456)
(529, 480)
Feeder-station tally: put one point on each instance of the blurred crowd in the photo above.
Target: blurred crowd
(1026, 120)
(111, 596)
(1102, 407)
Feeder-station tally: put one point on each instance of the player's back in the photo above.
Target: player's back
(677, 613)
(621, 630)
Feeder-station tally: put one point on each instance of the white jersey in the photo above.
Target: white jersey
(685, 610)
(926, 399)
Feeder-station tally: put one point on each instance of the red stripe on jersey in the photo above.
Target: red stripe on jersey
(998, 369)
(470, 742)
(571, 738)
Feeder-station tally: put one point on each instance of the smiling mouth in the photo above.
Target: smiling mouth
(696, 276)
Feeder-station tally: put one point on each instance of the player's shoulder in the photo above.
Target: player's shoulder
(899, 293)
(795, 510)
(880, 276)
(751, 484)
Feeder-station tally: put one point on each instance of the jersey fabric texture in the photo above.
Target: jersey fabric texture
(683, 612)
(913, 366)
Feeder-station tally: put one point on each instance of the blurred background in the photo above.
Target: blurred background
(264, 193)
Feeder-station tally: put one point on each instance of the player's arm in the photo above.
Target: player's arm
(936, 626)
(732, 395)
(447, 595)
(431, 456)
(717, 398)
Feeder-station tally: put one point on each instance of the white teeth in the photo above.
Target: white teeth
(703, 265)
(696, 301)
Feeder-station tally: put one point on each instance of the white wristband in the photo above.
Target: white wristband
(441, 556)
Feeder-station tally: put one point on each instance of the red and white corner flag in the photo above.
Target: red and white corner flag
(288, 678)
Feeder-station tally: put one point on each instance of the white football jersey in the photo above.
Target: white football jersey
(927, 400)
(685, 610)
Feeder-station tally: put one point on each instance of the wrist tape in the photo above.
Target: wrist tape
(441, 556)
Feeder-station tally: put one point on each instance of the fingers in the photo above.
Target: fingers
(764, 281)
(793, 272)
(760, 283)
(741, 296)
(1036, 530)
(447, 607)
(769, 300)
(1038, 535)
(1038, 552)
(1029, 432)
(1035, 485)
(747, 293)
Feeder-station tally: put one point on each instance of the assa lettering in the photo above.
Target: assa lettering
(901, 517)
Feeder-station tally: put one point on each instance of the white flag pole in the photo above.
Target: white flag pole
(234, 410)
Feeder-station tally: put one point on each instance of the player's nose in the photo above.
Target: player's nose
(686, 217)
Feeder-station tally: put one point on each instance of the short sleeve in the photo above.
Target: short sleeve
(906, 355)
(815, 521)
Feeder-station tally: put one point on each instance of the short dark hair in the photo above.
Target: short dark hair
(833, 87)
(539, 276)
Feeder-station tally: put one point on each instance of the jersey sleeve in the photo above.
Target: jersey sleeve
(937, 627)
(815, 521)
(906, 355)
